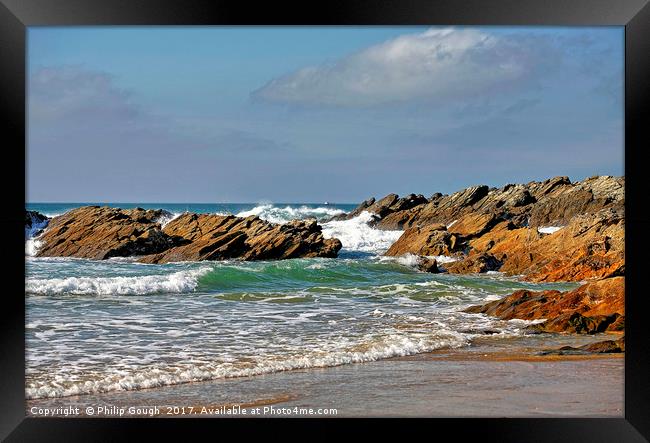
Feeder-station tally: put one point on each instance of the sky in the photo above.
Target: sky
(314, 114)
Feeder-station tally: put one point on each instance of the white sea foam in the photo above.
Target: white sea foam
(548, 229)
(177, 282)
(31, 246)
(276, 214)
(356, 235)
(443, 258)
(166, 217)
(387, 347)
(409, 260)
(412, 260)
(53, 214)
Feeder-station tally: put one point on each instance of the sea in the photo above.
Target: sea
(95, 327)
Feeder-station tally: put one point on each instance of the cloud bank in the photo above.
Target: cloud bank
(432, 66)
(74, 93)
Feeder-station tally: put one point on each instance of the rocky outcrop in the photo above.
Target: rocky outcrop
(591, 246)
(601, 347)
(594, 307)
(546, 231)
(427, 264)
(428, 240)
(101, 232)
(390, 204)
(35, 222)
(553, 202)
(218, 237)
(355, 212)
(474, 264)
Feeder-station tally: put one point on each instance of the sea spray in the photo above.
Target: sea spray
(356, 234)
(285, 214)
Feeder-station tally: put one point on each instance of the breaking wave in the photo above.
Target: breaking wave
(356, 235)
(276, 214)
(177, 282)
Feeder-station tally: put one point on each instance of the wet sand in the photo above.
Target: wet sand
(491, 378)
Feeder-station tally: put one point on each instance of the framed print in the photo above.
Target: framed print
(431, 210)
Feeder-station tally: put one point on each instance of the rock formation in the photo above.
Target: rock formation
(594, 307)
(601, 347)
(427, 264)
(552, 230)
(591, 246)
(218, 237)
(101, 232)
(553, 202)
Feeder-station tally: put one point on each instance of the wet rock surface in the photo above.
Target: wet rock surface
(101, 232)
(217, 237)
(592, 308)
(553, 202)
(552, 230)
(601, 347)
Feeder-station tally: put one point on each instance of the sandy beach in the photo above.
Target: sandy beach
(492, 378)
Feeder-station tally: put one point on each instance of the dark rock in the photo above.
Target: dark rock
(35, 222)
(355, 212)
(474, 264)
(579, 324)
(427, 264)
(601, 347)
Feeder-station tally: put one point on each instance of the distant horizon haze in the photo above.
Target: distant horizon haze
(306, 202)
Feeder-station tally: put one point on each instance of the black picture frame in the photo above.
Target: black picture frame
(17, 15)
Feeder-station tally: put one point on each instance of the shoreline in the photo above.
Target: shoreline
(486, 379)
(514, 230)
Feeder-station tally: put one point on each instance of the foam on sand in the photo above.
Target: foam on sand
(336, 355)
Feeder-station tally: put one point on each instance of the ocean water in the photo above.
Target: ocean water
(102, 326)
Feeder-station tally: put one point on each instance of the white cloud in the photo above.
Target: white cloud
(74, 93)
(435, 65)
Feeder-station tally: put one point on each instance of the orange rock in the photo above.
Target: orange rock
(219, 237)
(594, 307)
(101, 232)
(474, 224)
(590, 247)
(429, 240)
(504, 224)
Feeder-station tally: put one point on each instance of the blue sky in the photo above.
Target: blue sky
(301, 114)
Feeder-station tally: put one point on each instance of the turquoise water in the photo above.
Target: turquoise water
(98, 326)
